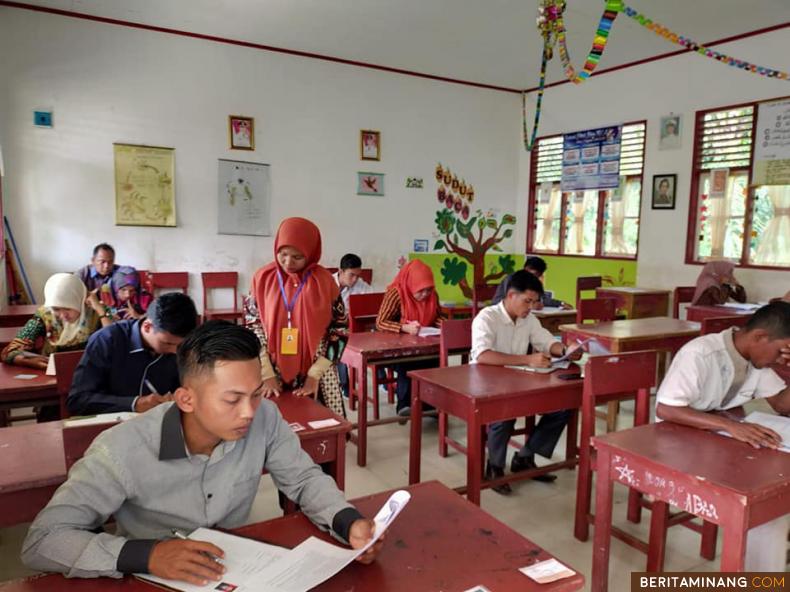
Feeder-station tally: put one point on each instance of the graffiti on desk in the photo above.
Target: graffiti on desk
(626, 474)
(700, 507)
(322, 446)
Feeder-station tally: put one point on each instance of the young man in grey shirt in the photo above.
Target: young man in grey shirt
(182, 465)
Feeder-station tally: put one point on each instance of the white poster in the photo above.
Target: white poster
(243, 198)
(772, 144)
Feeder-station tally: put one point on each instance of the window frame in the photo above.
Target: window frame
(697, 172)
(565, 202)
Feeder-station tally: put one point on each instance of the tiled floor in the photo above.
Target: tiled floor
(540, 512)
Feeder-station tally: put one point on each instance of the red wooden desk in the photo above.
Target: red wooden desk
(480, 395)
(700, 313)
(439, 542)
(637, 303)
(17, 315)
(661, 333)
(15, 392)
(458, 311)
(7, 335)
(33, 465)
(724, 481)
(373, 349)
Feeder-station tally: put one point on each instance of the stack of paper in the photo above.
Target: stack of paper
(252, 566)
(98, 419)
(778, 423)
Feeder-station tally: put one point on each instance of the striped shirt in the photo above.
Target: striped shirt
(389, 318)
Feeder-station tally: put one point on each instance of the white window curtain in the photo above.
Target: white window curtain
(774, 247)
(617, 212)
(718, 218)
(576, 235)
(547, 212)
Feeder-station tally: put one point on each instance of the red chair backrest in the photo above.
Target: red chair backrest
(363, 305)
(178, 280)
(719, 324)
(612, 376)
(596, 309)
(218, 280)
(65, 364)
(584, 283)
(481, 296)
(682, 294)
(366, 273)
(145, 280)
(77, 439)
(455, 338)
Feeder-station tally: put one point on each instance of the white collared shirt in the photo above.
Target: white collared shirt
(702, 373)
(359, 287)
(494, 330)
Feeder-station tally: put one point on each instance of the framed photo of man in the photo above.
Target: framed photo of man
(369, 145)
(664, 187)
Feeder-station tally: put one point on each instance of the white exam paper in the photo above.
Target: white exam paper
(99, 419)
(51, 365)
(547, 571)
(323, 423)
(429, 331)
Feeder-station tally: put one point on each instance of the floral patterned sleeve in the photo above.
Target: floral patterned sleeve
(25, 339)
(252, 320)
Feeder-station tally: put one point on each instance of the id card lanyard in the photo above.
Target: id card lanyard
(289, 341)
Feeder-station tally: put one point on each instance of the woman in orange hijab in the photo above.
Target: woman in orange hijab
(409, 303)
(294, 306)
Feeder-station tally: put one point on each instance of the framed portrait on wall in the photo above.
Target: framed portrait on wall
(369, 145)
(241, 131)
(664, 192)
(669, 132)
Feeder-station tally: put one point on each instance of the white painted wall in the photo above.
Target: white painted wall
(682, 84)
(111, 84)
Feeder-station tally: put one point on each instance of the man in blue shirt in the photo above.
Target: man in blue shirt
(131, 365)
(101, 267)
(537, 267)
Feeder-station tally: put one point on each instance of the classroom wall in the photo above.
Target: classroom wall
(113, 84)
(682, 84)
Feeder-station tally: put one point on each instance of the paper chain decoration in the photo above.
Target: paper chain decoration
(662, 31)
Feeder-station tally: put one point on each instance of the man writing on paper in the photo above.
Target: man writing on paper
(502, 335)
(195, 462)
(723, 371)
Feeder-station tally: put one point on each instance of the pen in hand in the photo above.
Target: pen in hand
(180, 535)
(153, 390)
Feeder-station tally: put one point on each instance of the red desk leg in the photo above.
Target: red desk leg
(352, 387)
(340, 462)
(415, 438)
(362, 416)
(733, 545)
(474, 458)
(603, 522)
(659, 515)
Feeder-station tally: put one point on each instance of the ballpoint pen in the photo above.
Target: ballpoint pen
(183, 537)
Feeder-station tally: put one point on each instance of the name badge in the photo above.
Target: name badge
(289, 341)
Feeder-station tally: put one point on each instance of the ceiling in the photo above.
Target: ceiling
(492, 42)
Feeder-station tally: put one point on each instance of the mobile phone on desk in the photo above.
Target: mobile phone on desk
(573, 375)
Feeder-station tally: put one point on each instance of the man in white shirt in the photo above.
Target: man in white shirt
(349, 277)
(349, 280)
(722, 371)
(502, 334)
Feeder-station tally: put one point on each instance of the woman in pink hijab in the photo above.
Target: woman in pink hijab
(716, 284)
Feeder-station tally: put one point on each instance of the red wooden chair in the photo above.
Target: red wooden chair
(362, 312)
(598, 310)
(681, 295)
(455, 338)
(219, 280)
(719, 324)
(169, 280)
(65, 364)
(145, 280)
(77, 439)
(481, 296)
(615, 378)
(586, 283)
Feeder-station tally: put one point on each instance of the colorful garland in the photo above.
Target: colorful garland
(541, 87)
(613, 7)
(662, 31)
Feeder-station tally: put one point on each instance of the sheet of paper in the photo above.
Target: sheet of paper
(315, 561)
(26, 376)
(99, 419)
(741, 306)
(244, 560)
(429, 331)
(555, 365)
(51, 365)
(547, 571)
(477, 589)
(778, 423)
(323, 423)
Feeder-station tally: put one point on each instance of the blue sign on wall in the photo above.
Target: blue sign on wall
(591, 159)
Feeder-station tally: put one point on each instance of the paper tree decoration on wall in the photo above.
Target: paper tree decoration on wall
(469, 235)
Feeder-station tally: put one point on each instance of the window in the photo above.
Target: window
(747, 225)
(586, 223)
